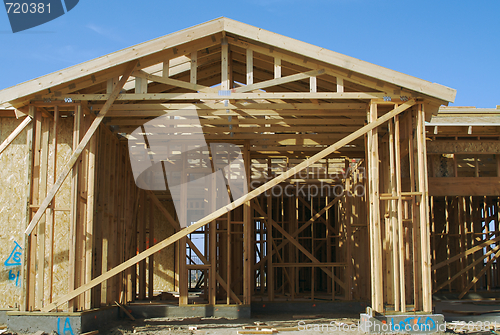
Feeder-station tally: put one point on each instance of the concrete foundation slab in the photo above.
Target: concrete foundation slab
(3, 315)
(170, 310)
(409, 323)
(62, 323)
(338, 308)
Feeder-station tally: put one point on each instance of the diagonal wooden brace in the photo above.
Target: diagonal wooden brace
(15, 133)
(238, 202)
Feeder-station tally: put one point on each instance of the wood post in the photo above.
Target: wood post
(399, 206)
(424, 213)
(375, 225)
(183, 219)
(50, 211)
(25, 267)
(247, 234)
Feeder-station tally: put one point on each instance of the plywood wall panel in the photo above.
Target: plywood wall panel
(12, 205)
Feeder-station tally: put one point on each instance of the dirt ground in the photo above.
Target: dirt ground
(283, 324)
(279, 324)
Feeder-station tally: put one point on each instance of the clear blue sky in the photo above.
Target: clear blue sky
(453, 43)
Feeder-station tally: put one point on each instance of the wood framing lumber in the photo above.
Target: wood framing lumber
(278, 81)
(465, 253)
(424, 220)
(471, 265)
(44, 159)
(246, 123)
(291, 239)
(249, 55)
(83, 143)
(341, 106)
(238, 202)
(375, 221)
(173, 82)
(228, 289)
(399, 206)
(393, 209)
(194, 67)
(232, 96)
(15, 133)
(473, 147)
(464, 186)
(89, 235)
(163, 210)
(94, 332)
(248, 247)
(479, 275)
(125, 311)
(302, 227)
(352, 65)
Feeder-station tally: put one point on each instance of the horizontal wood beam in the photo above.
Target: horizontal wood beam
(243, 106)
(464, 186)
(463, 147)
(247, 121)
(206, 129)
(218, 213)
(236, 113)
(230, 95)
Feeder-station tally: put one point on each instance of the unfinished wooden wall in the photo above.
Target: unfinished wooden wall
(52, 258)
(310, 235)
(404, 264)
(460, 225)
(12, 194)
(305, 247)
(98, 218)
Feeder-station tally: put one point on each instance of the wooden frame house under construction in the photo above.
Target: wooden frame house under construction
(77, 233)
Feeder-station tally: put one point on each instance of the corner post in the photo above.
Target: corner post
(377, 295)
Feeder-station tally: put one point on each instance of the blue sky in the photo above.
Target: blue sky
(453, 43)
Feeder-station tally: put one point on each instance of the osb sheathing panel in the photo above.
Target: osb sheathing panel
(440, 165)
(164, 260)
(13, 165)
(62, 201)
(13, 162)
